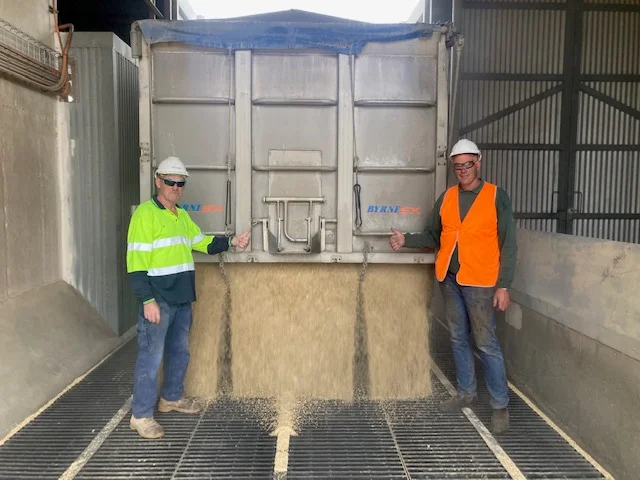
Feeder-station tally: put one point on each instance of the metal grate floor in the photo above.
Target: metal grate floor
(225, 441)
(390, 440)
(337, 440)
(538, 450)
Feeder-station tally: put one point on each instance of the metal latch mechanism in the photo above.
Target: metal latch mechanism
(314, 243)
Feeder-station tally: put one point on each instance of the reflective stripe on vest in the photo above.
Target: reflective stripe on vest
(160, 243)
(476, 237)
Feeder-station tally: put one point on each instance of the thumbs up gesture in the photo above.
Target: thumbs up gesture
(241, 241)
(397, 239)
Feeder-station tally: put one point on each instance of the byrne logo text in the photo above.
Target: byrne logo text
(394, 209)
(204, 208)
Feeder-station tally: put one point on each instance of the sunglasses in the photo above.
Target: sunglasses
(465, 166)
(171, 183)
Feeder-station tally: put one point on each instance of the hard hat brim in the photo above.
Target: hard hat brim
(164, 172)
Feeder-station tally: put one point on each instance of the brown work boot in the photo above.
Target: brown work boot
(456, 403)
(147, 427)
(184, 405)
(500, 421)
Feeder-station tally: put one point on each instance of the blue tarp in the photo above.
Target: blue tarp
(347, 37)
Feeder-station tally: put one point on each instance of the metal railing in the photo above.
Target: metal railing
(18, 40)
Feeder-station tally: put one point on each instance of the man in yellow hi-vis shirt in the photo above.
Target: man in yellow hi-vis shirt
(160, 264)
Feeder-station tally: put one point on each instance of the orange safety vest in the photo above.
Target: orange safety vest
(477, 238)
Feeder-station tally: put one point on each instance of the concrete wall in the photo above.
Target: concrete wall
(30, 16)
(571, 340)
(589, 285)
(29, 233)
(50, 334)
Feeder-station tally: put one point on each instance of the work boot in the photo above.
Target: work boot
(184, 405)
(147, 427)
(457, 402)
(500, 421)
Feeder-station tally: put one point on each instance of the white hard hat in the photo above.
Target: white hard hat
(465, 146)
(172, 165)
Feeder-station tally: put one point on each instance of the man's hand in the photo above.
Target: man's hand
(241, 241)
(501, 299)
(152, 312)
(397, 239)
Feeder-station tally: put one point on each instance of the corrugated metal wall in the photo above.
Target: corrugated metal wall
(606, 175)
(550, 92)
(104, 172)
(127, 96)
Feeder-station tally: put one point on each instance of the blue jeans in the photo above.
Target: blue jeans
(169, 338)
(471, 309)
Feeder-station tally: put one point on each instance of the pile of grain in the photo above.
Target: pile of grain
(293, 332)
